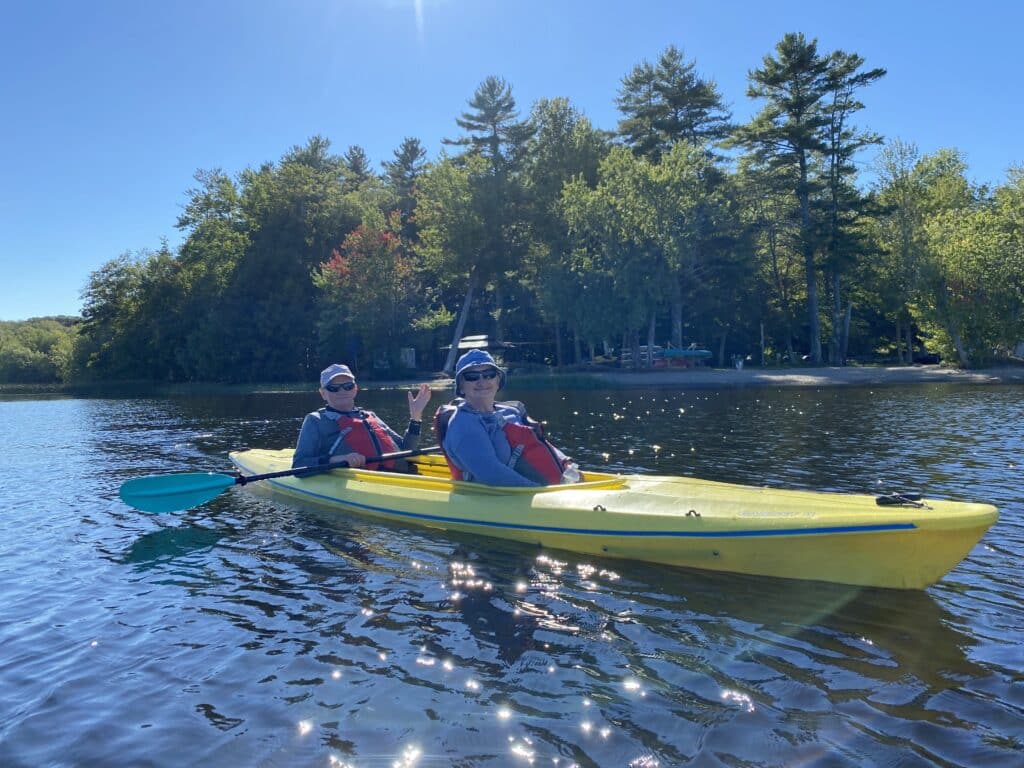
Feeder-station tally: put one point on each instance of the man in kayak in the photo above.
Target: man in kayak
(341, 432)
(495, 443)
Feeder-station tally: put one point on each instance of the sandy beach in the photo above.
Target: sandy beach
(729, 378)
(808, 377)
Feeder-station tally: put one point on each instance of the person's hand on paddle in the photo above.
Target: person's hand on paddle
(184, 490)
(354, 460)
(418, 402)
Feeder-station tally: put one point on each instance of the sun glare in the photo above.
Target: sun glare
(418, 8)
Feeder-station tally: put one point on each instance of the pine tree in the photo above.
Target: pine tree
(668, 103)
(790, 132)
(355, 167)
(402, 174)
(495, 133)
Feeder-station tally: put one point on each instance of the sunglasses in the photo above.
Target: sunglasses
(348, 386)
(474, 375)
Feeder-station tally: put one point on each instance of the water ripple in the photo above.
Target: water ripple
(252, 632)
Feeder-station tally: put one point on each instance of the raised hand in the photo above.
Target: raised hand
(418, 401)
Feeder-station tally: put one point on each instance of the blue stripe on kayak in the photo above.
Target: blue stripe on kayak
(600, 532)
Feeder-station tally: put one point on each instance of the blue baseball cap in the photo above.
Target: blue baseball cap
(476, 357)
(335, 369)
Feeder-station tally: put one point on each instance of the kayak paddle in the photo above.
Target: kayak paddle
(184, 490)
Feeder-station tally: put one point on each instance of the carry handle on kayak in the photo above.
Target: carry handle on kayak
(897, 499)
(184, 490)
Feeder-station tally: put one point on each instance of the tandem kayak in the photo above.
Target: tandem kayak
(679, 521)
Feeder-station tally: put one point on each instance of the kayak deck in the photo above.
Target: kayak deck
(677, 521)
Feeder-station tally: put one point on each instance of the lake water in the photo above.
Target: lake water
(251, 632)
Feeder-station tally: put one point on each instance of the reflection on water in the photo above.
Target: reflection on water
(168, 544)
(249, 631)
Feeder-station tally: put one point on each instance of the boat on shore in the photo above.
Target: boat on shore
(898, 542)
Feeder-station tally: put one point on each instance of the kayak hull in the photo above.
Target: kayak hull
(677, 521)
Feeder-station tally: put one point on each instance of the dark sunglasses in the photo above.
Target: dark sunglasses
(474, 375)
(348, 386)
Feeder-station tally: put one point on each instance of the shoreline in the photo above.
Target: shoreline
(729, 378)
(817, 377)
(682, 378)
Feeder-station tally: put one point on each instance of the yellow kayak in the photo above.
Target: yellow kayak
(680, 521)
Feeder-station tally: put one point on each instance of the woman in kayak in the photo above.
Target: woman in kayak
(495, 443)
(341, 432)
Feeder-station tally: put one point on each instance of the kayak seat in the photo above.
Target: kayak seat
(430, 466)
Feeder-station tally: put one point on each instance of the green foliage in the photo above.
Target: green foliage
(370, 290)
(433, 319)
(356, 168)
(492, 128)
(667, 103)
(770, 221)
(563, 147)
(972, 286)
(237, 303)
(298, 213)
(803, 131)
(544, 231)
(131, 320)
(449, 212)
(650, 235)
(494, 133)
(217, 239)
(36, 351)
(953, 255)
(402, 175)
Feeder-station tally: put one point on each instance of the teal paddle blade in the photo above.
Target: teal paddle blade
(171, 493)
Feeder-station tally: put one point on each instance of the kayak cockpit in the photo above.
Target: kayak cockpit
(432, 473)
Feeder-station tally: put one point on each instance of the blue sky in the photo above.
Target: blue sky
(107, 108)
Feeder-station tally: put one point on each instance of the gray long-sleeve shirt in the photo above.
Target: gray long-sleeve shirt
(476, 443)
(320, 438)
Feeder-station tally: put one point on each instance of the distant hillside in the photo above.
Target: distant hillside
(38, 350)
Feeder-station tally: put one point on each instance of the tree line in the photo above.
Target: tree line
(679, 226)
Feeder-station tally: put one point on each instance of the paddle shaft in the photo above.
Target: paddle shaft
(243, 479)
(172, 493)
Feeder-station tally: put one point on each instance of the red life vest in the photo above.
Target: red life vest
(537, 459)
(367, 435)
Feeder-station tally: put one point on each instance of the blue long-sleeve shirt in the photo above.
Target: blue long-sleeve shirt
(476, 443)
(319, 437)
